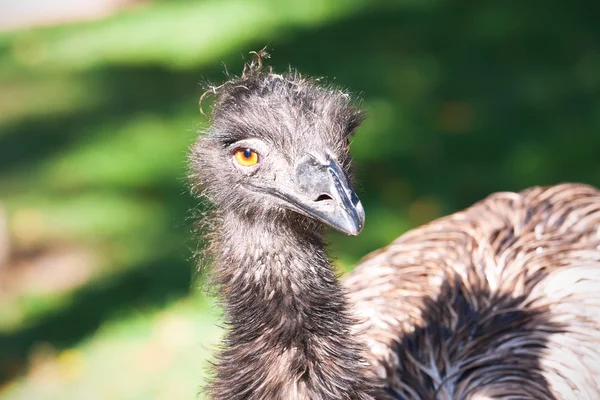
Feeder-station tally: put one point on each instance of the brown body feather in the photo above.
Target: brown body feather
(499, 301)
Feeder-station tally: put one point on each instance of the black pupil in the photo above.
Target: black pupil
(247, 153)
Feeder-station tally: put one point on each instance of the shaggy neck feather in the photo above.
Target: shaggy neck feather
(289, 330)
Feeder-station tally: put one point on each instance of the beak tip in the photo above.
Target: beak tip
(355, 232)
(354, 226)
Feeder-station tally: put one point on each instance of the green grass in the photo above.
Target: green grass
(157, 353)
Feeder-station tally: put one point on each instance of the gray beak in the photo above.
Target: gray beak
(323, 192)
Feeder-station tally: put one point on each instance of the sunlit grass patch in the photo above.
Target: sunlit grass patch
(160, 353)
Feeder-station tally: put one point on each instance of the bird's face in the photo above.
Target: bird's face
(280, 143)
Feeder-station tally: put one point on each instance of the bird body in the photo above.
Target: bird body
(498, 301)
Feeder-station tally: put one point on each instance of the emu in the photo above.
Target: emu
(499, 301)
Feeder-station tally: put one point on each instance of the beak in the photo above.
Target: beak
(321, 191)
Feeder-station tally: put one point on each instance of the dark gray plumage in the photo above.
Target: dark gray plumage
(498, 301)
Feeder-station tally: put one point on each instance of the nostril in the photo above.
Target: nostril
(323, 197)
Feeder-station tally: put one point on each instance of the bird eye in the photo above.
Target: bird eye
(246, 157)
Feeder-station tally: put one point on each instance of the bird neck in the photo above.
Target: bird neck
(289, 330)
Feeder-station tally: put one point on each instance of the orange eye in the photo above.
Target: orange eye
(246, 157)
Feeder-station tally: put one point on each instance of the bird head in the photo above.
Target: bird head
(280, 144)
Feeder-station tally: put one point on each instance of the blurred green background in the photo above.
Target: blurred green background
(97, 292)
